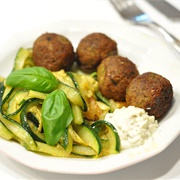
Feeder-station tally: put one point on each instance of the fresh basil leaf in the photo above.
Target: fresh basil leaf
(34, 78)
(56, 115)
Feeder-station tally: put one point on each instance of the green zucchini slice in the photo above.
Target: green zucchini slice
(71, 75)
(16, 101)
(100, 97)
(20, 134)
(81, 150)
(23, 59)
(4, 132)
(109, 136)
(66, 140)
(24, 119)
(89, 136)
(78, 117)
(73, 95)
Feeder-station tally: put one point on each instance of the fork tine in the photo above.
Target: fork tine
(123, 5)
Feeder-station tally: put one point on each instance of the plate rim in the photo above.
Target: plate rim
(102, 170)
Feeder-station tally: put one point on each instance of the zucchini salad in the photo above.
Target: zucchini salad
(58, 113)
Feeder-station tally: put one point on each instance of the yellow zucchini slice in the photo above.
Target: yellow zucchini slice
(57, 151)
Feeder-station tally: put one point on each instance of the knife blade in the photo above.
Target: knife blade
(166, 8)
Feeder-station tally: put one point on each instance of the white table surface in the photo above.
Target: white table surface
(20, 15)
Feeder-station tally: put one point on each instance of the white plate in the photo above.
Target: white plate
(149, 55)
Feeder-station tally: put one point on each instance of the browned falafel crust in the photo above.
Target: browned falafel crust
(114, 75)
(152, 92)
(53, 51)
(92, 49)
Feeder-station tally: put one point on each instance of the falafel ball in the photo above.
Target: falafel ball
(152, 92)
(92, 49)
(53, 52)
(114, 75)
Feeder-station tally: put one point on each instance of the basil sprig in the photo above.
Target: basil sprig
(34, 78)
(56, 115)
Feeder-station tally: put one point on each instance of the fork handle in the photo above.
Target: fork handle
(173, 41)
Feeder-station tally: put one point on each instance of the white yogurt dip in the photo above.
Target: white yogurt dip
(133, 124)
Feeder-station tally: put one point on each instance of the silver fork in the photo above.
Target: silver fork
(129, 11)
